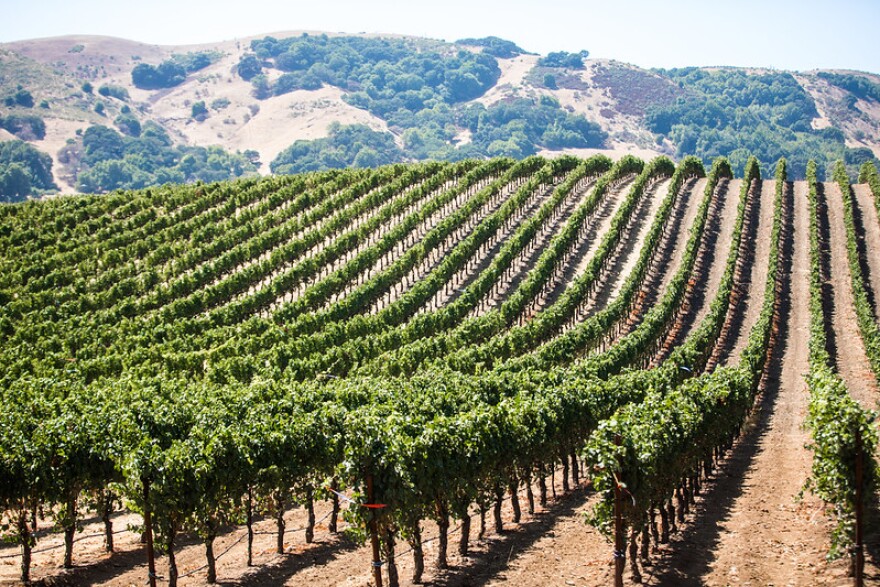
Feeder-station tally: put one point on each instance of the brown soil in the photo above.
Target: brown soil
(707, 270)
(668, 255)
(683, 233)
(624, 259)
(603, 216)
(573, 551)
(867, 219)
(751, 528)
(850, 354)
(531, 253)
(593, 230)
(752, 287)
(716, 241)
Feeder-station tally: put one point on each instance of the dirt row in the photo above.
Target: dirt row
(709, 267)
(753, 524)
(868, 222)
(848, 348)
(758, 251)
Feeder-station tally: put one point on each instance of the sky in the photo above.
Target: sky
(783, 34)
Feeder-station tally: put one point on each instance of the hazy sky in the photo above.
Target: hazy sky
(786, 34)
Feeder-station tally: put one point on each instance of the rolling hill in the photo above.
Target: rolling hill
(77, 82)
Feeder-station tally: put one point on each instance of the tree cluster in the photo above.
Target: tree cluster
(27, 127)
(495, 46)
(20, 97)
(24, 171)
(564, 59)
(736, 113)
(147, 156)
(154, 77)
(354, 145)
(858, 85)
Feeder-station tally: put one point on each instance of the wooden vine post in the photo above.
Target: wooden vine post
(148, 530)
(619, 535)
(374, 535)
(858, 575)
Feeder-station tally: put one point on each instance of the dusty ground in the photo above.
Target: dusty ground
(752, 529)
(866, 217)
(751, 526)
(335, 559)
(716, 255)
(852, 360)
(758, 243)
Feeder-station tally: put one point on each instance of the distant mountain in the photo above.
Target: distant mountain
(298, 101)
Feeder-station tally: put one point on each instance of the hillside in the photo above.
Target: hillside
(596, 105)
(263, 375)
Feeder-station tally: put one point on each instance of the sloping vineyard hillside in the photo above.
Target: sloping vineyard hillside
(580, 371)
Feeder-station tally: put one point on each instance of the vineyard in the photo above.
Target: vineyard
(581, 371)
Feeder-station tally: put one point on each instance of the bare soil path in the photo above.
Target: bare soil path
(716, 239)
(593, 231)
(751, 528)
(565, 548)
(849, 352)
(633, 247)
(668, 256)
(681, 234)
(622, 262)
(869, 222)
(757, 251)
(708, 267)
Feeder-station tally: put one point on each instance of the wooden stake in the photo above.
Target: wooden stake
(374, 536)
(858, 576)
(148, 530)
(619, 536)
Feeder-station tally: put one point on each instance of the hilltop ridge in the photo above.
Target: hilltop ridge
(601, 105)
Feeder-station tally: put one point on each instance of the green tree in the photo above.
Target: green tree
(128, 125)
(21, 97)
(114, 174)
(249, 66)
(25, 126)
(37, 165)
(165, 75)
(101, 143)
(15, 185)
(110, 91)
(199, 111)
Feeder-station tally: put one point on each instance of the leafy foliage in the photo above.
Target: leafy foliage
(25, 126)
(835, 419)
(196, 60)
(112, 91)
(146, 156)
(385, 74)
(165, 360)
(730, 111)
(21, 97)
(15, 185)
(25, 170)
(347, 146)
(249, 66)
(128, 125)
(564, 59)
(420, 92)
(859, 85)
(165, 75)
(199, 110)
(497, 47)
